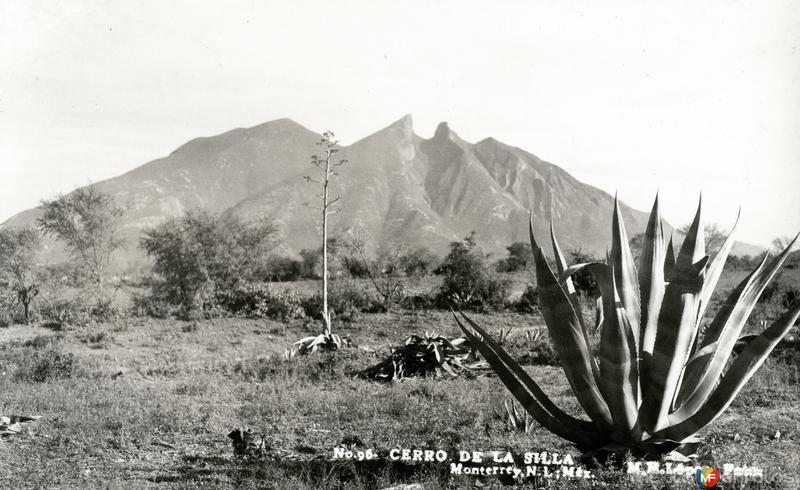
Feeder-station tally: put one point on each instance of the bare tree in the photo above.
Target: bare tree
(382, 273)
(86, 221)
(780, 243)
(326, 163)
(714, 236)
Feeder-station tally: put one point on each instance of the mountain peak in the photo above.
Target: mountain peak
(401, 129)
(276, 125)
(405, 124)
(443, 131)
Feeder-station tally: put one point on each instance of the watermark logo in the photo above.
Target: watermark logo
(706, 477)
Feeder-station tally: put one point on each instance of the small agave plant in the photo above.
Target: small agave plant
(662, 373)
(325, 341)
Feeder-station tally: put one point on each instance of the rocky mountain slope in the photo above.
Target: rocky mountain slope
(397, 188)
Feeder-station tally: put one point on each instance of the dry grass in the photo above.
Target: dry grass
(162, 422)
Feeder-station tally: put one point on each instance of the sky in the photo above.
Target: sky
(632, 97)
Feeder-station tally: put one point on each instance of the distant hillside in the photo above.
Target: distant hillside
(397, 188)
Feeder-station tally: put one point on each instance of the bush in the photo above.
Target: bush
(417, 262)
(418, 302)
(541, 353)
(61, 311)
(153, 306)
(777, 297)
(468, 283)
(345, 301)
(38, 361)
(355, 267)
(782, 291)
(520, 255)
(199, 253)
(259, 301)
(283, 269)
(528, 302)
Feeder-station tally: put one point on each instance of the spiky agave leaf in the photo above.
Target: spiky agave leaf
(715, 268)
(678, 361)
(669, 260)
(741, 370)
(723, 332)
(529, 394)
(568, 338)
(624, 271)
(673, 338)
(676, 329)
(619, 366)
(619, 375)
(561, 266)
(572, 295)
(651, 278)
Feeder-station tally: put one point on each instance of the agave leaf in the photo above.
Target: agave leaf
(598, 314)
(715, 270)
(713, 274)
(651, 278)
(692, 250)
(569, 287)
(500, 354)
(702, 376)
(561, 262)
(669, 261)
(675, 331)
(569, 339)
(624, 268)
(710, 348)
(524, 389)
(619, 362)
(597, 269)
(694, 246)
(741, 370)
(619, 371)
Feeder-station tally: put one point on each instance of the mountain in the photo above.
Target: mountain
(397, 188)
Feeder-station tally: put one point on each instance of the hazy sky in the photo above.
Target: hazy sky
(630, 96)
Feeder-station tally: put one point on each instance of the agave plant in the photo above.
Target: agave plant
(662, 371)
(323, 342)
(428, 355)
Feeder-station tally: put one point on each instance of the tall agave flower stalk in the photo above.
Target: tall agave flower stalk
(662, 372)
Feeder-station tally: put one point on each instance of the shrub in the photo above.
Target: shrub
(199, 253)
(346, 300)
(779, 295)
(784, 290)
(62, 311)
(468, 283)
(154, 306)
(309, 260)
(259, 301)
(38, 361)
(528, 302)
(282, 269)
(356, 267)
(519, 257)
(418, 302)
(417, 262)
(541, 353)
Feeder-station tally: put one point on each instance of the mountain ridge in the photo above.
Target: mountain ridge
(397, 188)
